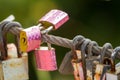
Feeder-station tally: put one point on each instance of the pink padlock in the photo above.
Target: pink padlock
(45, 59)
(30, 39)
(54, 18)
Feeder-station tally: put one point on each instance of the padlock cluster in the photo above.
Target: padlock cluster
(86, 60)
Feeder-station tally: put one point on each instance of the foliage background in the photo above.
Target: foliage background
(98, 20)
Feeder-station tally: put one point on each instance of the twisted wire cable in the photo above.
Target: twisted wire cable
(64, 42)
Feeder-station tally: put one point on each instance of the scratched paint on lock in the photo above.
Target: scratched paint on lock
(54, 18)
(15, 68)
(81, 73)
(30, 39)
(46, 59)
(75, 71)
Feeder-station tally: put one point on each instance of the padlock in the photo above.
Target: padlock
(2, 25)
(79, 65)
(81, 55)
(88, 58)
(54, 18)
(117, 68)
(91, 60)
(112, 75)
(102, 67)
(30, 39)
(12, 67)
(46, 58)
(66, 66)
(75, 71)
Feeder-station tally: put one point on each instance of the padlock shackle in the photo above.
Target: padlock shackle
(83, 53)
(111, 62)
(113, 55)
(76, 47)
(2, 25)
(90, 46)
(5, 31)
(106, 46)
(115, 52)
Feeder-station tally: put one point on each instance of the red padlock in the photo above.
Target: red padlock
(45, 59)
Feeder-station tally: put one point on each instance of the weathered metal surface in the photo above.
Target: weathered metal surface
(111, 76)
(66, 65)
(16, 69)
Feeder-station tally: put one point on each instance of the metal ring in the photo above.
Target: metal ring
(83, 53)
(77, 41)
(6, 29)
(2, 25)
(90, 46)
(115, 52)
(106, 46)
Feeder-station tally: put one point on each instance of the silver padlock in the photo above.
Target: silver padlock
(11, 67)
(111, 75)
(103, 66)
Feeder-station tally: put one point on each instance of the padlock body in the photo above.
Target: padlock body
(54, 18)
(45, 59)
(112, 76)
(14, 69)
(66, 65)
(89, 68)
(100, 71)
(117, 67)
(78, 69)
(30, 39)
(75, 71)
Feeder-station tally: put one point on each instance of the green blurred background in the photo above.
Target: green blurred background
(98, 20)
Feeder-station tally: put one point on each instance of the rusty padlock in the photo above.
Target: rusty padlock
(12, 67)
(54, 18)
(78, 66)
(66, 65)
(81, 55)
(90, 60)
(75, 71)
(46, 58)
(30, 39)
(112, 74)
(102, 67)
